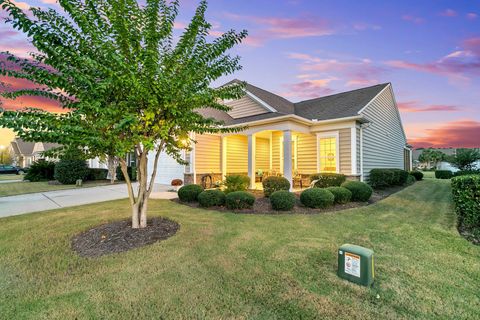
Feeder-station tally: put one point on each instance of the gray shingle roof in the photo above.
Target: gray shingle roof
(340, 105)
(24, 147)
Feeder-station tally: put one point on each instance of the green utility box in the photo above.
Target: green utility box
(355, 264)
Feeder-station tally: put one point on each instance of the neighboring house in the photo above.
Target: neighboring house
(23, 152)
(349, 133)
(442, 165)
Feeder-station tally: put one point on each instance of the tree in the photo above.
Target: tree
(431, 157)
(464, 159)
(123, 81)
(6, 156)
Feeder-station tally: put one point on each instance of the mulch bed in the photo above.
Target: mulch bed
(468, 234)
(118, 236)
(262, 205)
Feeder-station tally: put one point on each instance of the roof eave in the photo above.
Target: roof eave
(299, 119)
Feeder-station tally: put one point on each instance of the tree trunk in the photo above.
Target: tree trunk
(112, 168)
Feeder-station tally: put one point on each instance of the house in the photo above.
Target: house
(349, 133)
(23, 152)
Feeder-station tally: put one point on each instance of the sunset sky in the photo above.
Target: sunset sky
(428, 50)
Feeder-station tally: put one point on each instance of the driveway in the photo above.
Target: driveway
(33, 202)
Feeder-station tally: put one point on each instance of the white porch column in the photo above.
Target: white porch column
(287, 156)
(353, 149)
(251, 159)
(224, 157)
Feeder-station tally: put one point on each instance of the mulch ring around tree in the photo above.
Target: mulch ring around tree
(118, 236)
(262, 205)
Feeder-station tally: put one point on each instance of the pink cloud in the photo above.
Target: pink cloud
(355, 72)
(413, 19)
(309, 88)
(459, 65)
(472, 16)
(413, 106)
(449, 13)
(269, 28)
(457, 134)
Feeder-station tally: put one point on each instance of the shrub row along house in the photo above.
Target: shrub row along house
(349, 133)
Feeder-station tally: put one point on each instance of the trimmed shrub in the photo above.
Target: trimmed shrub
(466, 172)
(211, 198)
(132, 173)
(239, 200)
(282, 200)
(317, 198)
(411, 179)
(386, 177)
(381, 178)
(466, 197)
(236, 183)
(328, 179)
(417, 174)
(443, 174)
(40, 170)
(360, 190)
(97, 174)
(341, 194)
(68, 171)
(272, 184)
(399, 177)
(189, 193)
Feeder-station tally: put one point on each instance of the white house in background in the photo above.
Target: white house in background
(25, 153)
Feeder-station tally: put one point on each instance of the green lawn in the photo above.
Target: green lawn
(224, 266)
(15, 188)
(6, 177)
(428, 174)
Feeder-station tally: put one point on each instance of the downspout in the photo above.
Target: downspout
(361, 152)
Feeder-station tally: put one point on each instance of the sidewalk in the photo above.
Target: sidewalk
(33, 202)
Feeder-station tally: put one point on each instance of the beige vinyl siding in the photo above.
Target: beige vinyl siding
(208, 154)
(307, 153)
(358, 151)
(276, 140)
(237, 154)
(383, 138)
(245, 107)
(345, 143)
(262, 154)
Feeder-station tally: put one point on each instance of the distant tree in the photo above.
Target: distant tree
(126, 83)
(431, 157)
(464, 159)
(6, 156)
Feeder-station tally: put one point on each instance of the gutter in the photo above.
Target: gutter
(298, 119)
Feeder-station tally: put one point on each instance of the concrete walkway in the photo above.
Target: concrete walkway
(33, 202)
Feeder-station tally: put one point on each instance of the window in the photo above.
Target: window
(328, 153)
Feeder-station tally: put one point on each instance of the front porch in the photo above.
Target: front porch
(292, 154)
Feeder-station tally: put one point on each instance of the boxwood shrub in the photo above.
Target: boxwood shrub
(417, 174)
(328, 179)
(360, 190)
(411, 179)
(282, 200)
(189, 193)
(97, 174)
(466, 197)
(239, 200)
(211, 198)
(68, 171)
(443, 174)
(385, 177)
(341, 194)
(40, 170)
(466, 172)
(236, 183)
(381, 178)
(317, 198)
(273, 183)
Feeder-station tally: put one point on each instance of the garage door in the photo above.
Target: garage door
(167, 169)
